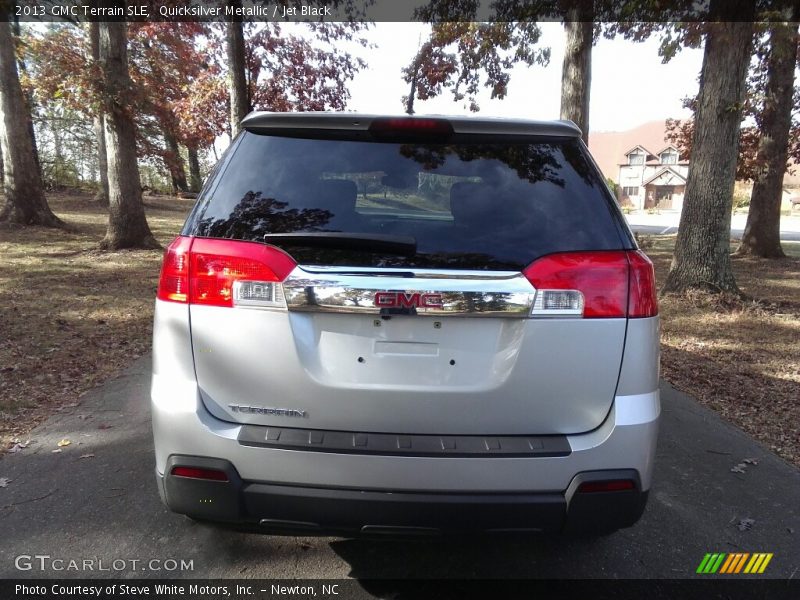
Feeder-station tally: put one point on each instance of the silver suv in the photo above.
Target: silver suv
(406, 326)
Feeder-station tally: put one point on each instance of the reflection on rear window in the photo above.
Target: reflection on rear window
(430, 195)
(468, 205)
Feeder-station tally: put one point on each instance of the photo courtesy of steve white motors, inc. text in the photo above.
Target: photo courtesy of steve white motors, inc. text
(171, 590)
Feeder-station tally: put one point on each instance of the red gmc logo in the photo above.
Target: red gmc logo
(407, 300)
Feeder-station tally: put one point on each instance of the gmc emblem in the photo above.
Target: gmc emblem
(407, 300)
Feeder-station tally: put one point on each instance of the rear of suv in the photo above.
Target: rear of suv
(406, 326)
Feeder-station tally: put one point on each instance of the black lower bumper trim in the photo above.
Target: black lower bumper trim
(390, 444)
(354, 510)
(285, 509)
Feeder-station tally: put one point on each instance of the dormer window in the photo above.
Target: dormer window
(636, 158)
(669, 157)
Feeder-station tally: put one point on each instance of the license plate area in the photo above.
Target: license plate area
(405, 351)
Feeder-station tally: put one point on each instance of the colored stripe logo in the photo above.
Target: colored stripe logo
(734, 563)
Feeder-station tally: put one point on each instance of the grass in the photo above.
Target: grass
(740, 358)
(73, 317)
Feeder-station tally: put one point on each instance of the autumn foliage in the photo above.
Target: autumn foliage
(679, 132)
(459, 56)
(178, 72)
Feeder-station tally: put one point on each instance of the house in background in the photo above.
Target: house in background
(653, 180)
(642, 172)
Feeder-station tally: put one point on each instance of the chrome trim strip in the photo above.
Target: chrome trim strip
(453, 293)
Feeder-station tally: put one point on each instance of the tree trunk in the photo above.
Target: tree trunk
(54, 181)
(576, 71)
(127, 225)
(28, 97)
(22, 181)
(173, 161)
(195, 180)
(412, 94)
(98, 122)
(237, 82)
(99, 125)
(762, 233)
(702, 249)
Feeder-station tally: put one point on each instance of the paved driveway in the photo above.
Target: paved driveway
(105, 506)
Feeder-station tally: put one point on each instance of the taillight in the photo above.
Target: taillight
(643, 298)
(601, 284)
(218, 272)
(600, 278)
(198, 473)
(410, 126)
(173, 285)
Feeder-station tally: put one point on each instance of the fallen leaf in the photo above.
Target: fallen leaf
(4, 481)
(750, 461)
(56, 451)
(64, 442)
(738, 468)
(104, 426)
(746, 524)
(87, 456)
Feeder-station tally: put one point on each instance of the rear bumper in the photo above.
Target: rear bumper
(183, 427)
(280, 490)
(295, 510)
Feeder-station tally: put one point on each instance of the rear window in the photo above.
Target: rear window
(470, 205)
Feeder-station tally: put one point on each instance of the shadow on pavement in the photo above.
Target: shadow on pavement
(106, 506)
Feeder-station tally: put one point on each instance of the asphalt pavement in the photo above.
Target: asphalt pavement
(666, 222)
(96, 500)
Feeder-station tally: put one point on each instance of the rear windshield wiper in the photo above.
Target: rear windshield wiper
(371, 242)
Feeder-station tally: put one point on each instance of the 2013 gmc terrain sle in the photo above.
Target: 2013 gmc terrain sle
(403, 325)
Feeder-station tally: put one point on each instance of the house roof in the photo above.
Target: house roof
(670, 147)
(662, 172)
(608, 147)
(638, 148)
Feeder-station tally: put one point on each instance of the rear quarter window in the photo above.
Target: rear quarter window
(468, 204)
